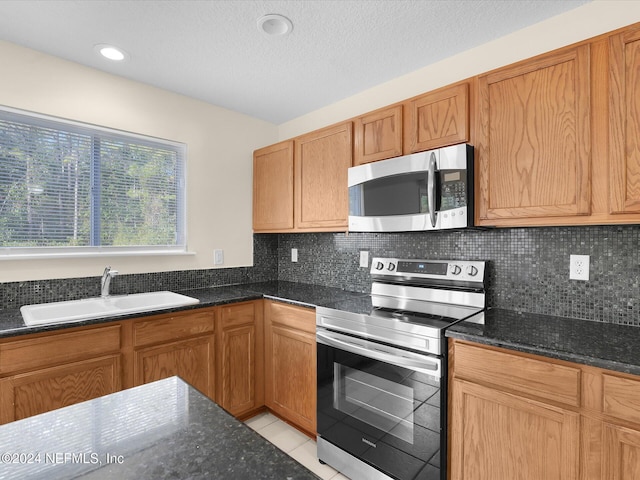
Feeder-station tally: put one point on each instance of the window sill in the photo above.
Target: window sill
(95, 254)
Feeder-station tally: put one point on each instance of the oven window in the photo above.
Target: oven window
(394, 195)
(376, 401)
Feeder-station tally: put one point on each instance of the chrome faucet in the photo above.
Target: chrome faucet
(107, 275)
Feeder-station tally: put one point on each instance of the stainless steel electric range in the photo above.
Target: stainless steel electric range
(382, 370)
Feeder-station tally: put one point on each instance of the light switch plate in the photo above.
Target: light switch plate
(294, 254)
(218, 257)
(364, 258)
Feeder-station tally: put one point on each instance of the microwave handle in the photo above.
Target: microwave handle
(431, 189)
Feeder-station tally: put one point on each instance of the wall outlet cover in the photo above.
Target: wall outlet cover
(218, 257)
(294, 254)
(364, 258)
(579, 267)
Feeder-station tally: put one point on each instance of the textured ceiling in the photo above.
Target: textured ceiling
(212, 50)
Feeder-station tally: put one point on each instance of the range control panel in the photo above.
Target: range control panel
(429, 269)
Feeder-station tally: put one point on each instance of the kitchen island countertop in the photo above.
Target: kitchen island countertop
(161, 430)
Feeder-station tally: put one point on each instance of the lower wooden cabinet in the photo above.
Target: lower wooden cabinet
(43, 372)
(191, 360)
(180, 344)
(240, 360)
(46, 389)
(514, 415)
(290, 363)
(502, 435)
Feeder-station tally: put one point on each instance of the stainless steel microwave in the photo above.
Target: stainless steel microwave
(430, 190)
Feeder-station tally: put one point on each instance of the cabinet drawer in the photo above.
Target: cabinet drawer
(300, 318)
(58, 348)
(238, 314)
(621, 397)
(538, 378)
(166, 328)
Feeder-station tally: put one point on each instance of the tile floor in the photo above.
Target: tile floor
(292, 442)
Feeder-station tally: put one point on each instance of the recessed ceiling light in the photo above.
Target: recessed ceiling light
(273, 24)
(111, 52)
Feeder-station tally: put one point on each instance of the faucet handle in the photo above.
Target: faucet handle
(113, 273)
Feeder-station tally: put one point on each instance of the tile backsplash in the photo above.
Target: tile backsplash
(528, 268)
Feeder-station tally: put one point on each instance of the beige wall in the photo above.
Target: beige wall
(590, 20)
(219, 156)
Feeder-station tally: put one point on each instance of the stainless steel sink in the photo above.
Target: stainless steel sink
(85, 309)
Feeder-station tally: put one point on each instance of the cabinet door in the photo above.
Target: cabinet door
(534, 138)
(240, 358)
(192, 360)
(437, 119)
(624, 126)
(273, 187)
(621, 453)
(499, 435)
(46, 389)
(378, 135)
(290, 361)
(322, 158)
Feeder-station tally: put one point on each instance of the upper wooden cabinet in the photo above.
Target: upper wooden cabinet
(624, 126)
(321, 161)
(273, 187)
(378, 135)
(437, 119)
(533, 138)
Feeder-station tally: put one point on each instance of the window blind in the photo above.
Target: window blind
(67, 185)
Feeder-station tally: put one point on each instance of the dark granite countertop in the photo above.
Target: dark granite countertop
(12, 324)
(161, 430)
(604, 345)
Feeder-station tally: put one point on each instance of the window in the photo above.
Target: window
(72, 188)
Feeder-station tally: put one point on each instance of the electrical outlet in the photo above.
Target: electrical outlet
(364, 258)
(579, 267)
(294, 254)
(218, 257)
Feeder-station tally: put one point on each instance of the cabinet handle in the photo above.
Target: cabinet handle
(431, 190)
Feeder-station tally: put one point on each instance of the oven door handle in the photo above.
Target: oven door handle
(432, 366)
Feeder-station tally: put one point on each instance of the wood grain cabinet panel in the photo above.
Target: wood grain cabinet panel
(163, 328)
(273, 187)
(57, 348)
(290, 361)
(240, 361)
(321, 161)
(624, 118)
(192, 360)
(621, 456)
(533, 138)
(502, 429)
(621, 397)
(536, 378)
(437, 119)
(378, 135)
(504, 436)
(47, 389)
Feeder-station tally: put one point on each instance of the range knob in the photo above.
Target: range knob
(472, 271)
(379, 266)
(455, 269)
(391, 267)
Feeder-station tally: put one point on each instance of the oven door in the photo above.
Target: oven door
(382, 405)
